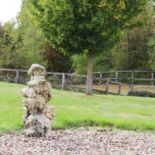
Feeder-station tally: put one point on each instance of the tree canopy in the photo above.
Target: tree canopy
(75, 26)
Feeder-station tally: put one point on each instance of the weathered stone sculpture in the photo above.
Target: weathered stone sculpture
(37, 114)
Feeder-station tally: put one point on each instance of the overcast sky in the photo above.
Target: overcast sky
(9, 9)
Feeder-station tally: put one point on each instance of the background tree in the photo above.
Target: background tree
(16, 46)
(32, 40)
(8, 46)
(57, 62)
(132, 51)
(35, 48)
(76, 26)
(151, 51)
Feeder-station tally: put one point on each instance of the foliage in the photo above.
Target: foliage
(47, 27)
(101, 62)
(96, 110)
(1, 37)
(151, 50)
(75, 26)
(17, 46)
(8, 45)
(22, 43)
(132, 50)
(56, 62)
(80, 63)
(32, 39)
(36, 45)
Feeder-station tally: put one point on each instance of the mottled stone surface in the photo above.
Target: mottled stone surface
(38, 115)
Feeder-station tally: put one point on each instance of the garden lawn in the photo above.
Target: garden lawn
(76, 110)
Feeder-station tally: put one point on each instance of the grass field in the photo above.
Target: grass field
(77, 109)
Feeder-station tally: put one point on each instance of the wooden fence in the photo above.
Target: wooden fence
(119, 84)
(58, 80)
(146, 76)
(102, 82)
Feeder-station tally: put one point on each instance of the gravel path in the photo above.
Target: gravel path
(80, 142)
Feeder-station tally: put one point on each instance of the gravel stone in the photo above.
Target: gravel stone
(80, 142)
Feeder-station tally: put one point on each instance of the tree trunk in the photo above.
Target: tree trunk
(89, 74)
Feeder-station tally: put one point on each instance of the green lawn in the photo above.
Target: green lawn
(77, 109)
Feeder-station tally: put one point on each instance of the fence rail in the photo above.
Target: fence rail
(112, 83)
(128, 75)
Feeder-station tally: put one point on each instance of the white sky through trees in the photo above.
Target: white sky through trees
(9, 9)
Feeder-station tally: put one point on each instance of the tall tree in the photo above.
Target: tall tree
(76, 26)
(133, 50)
(32, 40)
(34, 47)
(8, 45)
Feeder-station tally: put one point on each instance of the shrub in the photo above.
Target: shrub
(141, 93)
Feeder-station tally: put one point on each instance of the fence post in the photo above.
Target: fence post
(132, 76)
(116, 76)
(63, 81)
(152, 78)
(119, 88)
(17, 76)
(107, 86)
(100, 78)
(131, 87)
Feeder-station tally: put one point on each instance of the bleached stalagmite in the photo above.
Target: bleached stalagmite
(38, 115)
